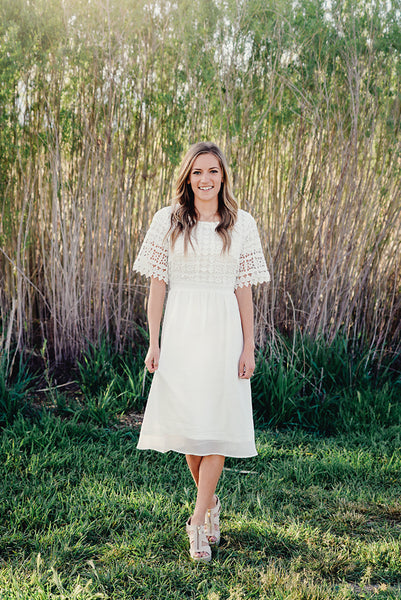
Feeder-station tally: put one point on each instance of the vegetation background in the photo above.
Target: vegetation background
(99, 99)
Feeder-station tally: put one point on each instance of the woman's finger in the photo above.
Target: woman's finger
(249, 373)
(152, 364)
(246, 372)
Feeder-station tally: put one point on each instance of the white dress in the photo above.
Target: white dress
(197, 404)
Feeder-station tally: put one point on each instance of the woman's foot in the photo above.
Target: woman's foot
(212, 523)
(198, 544)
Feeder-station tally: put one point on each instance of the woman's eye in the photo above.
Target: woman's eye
(213, 171)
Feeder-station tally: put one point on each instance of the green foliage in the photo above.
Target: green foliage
(16, 382)
(329, 388)
(110, 383)
(325, 387)
(96, 368)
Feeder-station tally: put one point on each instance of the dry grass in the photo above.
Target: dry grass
(103, 119)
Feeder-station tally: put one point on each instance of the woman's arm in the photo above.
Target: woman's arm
(246, 365)
(155, 310)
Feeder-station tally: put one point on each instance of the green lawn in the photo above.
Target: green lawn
(85, 515)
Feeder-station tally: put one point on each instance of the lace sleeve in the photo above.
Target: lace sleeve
(152, 259)
(252, 264)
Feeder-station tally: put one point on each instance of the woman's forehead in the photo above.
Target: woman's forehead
(206, 161)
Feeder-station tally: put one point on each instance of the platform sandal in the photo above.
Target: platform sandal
(212, 525)
(198, 542)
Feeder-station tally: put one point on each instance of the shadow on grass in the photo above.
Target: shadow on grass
(251, 542)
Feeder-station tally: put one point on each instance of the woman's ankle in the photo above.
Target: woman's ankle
(214, 502)
(197, 520)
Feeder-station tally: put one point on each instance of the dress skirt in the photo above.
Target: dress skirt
(197, 403)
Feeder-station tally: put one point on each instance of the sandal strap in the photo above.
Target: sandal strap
(212, 518)
(198, 535)
(215, 511)
(197, 539)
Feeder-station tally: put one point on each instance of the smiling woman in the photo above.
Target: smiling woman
(203, 194)
(199, 404)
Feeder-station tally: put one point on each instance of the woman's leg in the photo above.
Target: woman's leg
(206, 471)
(193, 463)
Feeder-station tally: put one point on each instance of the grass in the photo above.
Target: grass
(85, 515)
(323, 386)
(15, 384)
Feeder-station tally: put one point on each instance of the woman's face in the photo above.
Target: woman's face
(205, 179)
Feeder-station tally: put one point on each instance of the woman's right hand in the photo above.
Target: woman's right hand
(152, 359)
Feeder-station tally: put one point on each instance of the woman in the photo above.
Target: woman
(209, 253)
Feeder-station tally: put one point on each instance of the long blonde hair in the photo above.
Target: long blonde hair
(184, 216)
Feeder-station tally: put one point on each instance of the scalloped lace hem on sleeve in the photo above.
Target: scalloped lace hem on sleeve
(253, 276)
(252, 264)
(152, 260)
(159, 272)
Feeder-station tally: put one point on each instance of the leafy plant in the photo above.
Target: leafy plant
(16, 381)
(327, 387)
(111, 383)
(96, 368)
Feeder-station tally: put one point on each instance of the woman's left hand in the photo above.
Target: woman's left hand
(246, 365)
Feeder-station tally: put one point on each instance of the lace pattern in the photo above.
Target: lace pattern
(152, 260)
(204, 263)
(252, 265)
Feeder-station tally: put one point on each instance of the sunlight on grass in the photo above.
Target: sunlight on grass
(85, 515)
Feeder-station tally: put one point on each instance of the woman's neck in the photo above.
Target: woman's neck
(208, 212)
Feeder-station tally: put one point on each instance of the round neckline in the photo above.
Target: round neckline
(210, 222)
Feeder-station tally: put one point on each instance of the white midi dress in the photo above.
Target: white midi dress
(197, 404)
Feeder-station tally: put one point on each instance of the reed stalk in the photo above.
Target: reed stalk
(98, 107)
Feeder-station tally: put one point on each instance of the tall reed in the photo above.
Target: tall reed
(101, 100)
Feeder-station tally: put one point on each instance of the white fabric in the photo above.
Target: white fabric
(197, 403)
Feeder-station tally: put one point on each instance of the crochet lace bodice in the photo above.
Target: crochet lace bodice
(204, 263)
